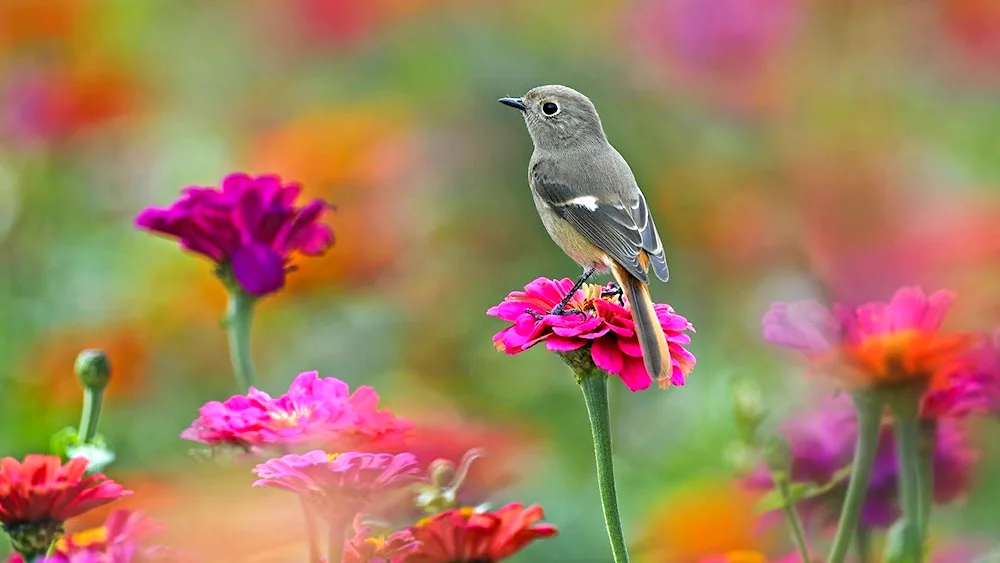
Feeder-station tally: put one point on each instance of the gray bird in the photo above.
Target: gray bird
(592, 207)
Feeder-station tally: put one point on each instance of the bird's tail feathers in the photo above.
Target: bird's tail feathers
(652, 341)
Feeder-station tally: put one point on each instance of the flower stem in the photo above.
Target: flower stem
(239, 316)
(928, 442)
(863, 544)
(312, 532)
(595, 392)
(798, 536)
(907, 430)
(335, 542)
(869, 409)
(90, 415)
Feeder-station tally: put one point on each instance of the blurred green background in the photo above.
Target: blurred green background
(788, 148)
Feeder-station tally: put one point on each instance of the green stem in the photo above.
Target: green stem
(928, 442)
(239, 316)
(869, 409)
(907, 431)
(863, 544)
(798, 536)
(90, 416)
(595, 392)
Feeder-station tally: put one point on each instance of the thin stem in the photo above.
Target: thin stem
(595, 393)
(863, 544)
(335, 542)
(798, 536)
(869, 409)
(312, 532)
(90, 415)
(239, 316)
(907, 430)
(928, 442)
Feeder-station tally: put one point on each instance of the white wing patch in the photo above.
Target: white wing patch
(587, 201)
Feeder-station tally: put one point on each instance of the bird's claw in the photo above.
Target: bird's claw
(565, 311)
(613, 290)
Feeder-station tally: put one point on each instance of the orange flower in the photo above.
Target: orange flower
(30, 20)
(702, 521)
(49, 365)
(361, 160)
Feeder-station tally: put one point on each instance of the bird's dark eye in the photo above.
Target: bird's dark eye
(550, 108)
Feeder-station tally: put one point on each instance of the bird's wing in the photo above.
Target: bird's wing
(610, 226)
(650, 238)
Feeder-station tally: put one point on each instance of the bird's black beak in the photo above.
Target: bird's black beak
(513, 102)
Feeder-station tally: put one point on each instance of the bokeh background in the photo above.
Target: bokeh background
(788, 148)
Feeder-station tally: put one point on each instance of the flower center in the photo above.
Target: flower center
(331, 457)
(86, 538)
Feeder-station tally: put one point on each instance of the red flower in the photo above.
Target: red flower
(41, 493)
(367, 548)
(42, 488)
(465, 536)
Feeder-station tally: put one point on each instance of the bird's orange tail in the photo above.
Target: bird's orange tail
(652, 341)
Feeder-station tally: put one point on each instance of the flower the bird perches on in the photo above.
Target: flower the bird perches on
(250, 228)
(595, 321)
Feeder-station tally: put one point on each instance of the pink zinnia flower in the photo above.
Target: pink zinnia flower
(605, 325)
(314, 409)
(464, 535)
(886, 344)
(339, 485)
(40, 493)
(822, 444)
(250, 228)
(367, 548)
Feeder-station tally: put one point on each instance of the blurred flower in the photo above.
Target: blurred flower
(974, 27)
(463, 535)
(48, 364)
(823, 445)
(605, 325)
(314, 409)
(372, 166)
(367, 548)
(887, 344)
(39, 494)
(50, 105)
(701, 520)
(22, 21)
(720, 46)
(250, 227)
(339, 485)
(117, 541)
(741, 556)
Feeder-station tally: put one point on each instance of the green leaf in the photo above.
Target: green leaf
(61, 441)
(800, 491)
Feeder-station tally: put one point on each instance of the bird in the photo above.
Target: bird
(592, 208)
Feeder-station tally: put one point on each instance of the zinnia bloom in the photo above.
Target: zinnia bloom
(40, 493)
(339, 485)
(822, 445)
(887, 344)
(367, 548)
(314, 409)
(465, 536)
(250, 228)
(117, 541)
(605, 326)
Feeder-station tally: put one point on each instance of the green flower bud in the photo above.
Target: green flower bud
(777, 453)
(93, 369)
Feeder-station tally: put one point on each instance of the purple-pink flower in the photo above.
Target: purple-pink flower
(822, 445)
(603, 323)
(339, 485)
(314, 410)
(883, 344)
(250, 228)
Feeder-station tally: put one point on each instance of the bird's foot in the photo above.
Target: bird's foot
(564, 311)
(613, 290)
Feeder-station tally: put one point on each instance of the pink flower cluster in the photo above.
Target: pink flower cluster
(602, 323)
(251, 226)
(314, 410)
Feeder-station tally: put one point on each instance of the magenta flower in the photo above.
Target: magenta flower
(340, 485)
(822, 444)
(605, 325)
(250, 228)
(884, 344)
(314, 409)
